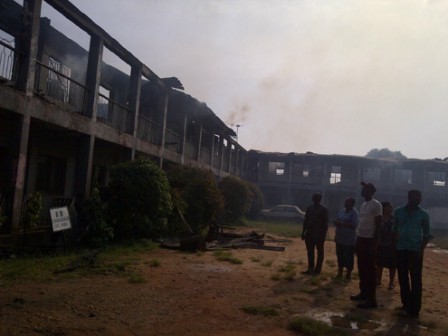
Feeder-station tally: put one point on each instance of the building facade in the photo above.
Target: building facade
(292, 178)
(67, 115)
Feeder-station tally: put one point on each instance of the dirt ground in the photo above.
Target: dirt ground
(195, 294)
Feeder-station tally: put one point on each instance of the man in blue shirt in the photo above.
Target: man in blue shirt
(412, 233)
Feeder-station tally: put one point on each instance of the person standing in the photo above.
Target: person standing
(366, 244)
(412, 233)
(386, 256)
(345, 237)
(314, 232)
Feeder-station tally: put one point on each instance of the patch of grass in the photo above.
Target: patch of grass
(275, 276)
(256, 259)
(308, 326)
(288, 270)
(430, 324)
(33, 268)
(154, 263)
(267, 263)
(137, 278)
(264, 311)
(314, 281)
(331, 263)
(116, 260)
(308, 290)
(226, 256)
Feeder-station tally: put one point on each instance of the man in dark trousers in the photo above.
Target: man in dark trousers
(412, 233)
(314, 232)
(370, 216)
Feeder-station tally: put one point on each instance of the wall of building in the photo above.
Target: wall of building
(292, 178)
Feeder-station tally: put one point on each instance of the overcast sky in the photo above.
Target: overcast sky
(331, 77)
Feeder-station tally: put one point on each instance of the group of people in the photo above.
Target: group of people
(380, 237)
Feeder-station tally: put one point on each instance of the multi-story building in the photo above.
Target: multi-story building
(292, 178)
(67, 115)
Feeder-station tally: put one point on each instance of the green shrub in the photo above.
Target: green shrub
(139, 200)
(33, 210)
(236, 198)
(196, 195)
(93, 216)
(256, 201)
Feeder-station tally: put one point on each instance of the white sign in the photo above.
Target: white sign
(60, 219)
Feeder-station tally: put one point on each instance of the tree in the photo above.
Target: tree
(256, 201)
(196, 195)
(139, 200)
(385, 153)
(236, 198)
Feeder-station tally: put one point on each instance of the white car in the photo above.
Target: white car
(283, 212)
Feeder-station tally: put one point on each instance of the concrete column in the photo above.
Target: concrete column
(20, 174)
(212, 156)
(86, 147)
(28, 45)
(199, 143)
(162, 144)
(93, 76)
(221, 154)
(184, 138)
(134, 102)
(229, 165)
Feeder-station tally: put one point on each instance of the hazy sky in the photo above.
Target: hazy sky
(331, 77)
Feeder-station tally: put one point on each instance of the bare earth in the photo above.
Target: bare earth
(194, 294)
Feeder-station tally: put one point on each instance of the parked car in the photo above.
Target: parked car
(283, 212)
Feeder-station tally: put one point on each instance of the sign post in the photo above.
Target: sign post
(60, 220)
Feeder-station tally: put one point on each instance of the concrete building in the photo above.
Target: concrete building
(292, 178)
(67, 115)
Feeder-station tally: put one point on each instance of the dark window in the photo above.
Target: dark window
(51, 174)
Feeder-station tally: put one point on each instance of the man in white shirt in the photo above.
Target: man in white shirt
(366, 244)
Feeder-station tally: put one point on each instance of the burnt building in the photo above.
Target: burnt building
(292, 178)
(67, 114)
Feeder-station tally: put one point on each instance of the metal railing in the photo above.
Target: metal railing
(173, 141)
(114, 114)
(56, 86)
(148, 130)
(9, 62)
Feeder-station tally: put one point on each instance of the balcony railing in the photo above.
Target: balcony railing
(173, 141)
(58, 87)
(148, 130)
(115, 115)
(9, 62)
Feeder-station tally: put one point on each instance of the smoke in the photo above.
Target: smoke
(238, 114)
(330, 77)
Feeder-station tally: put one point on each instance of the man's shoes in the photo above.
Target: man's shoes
(403, 313)
(367, 304)
(358, 297)
(400, 308)
(308, 272)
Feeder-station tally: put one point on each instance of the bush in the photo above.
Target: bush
(256, 201)
(236, 198)
(139, 200)
(93, 216)
(196, 195)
